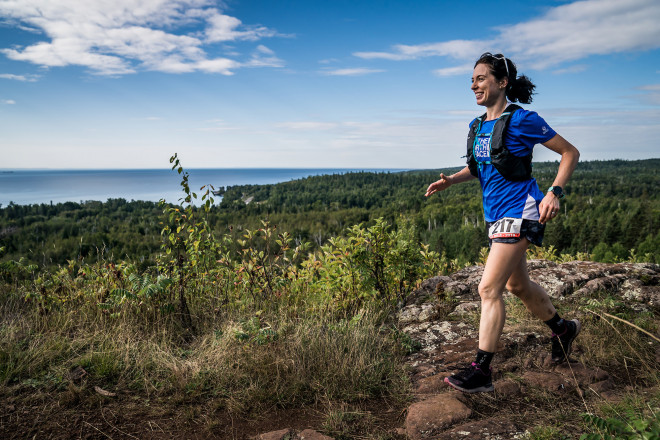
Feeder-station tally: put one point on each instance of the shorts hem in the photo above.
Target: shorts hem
(532, 230)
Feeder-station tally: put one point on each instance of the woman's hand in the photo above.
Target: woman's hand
(439, 185)
(548, 208)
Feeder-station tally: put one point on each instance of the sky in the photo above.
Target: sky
(93, 84)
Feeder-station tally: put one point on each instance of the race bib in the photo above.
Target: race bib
(505, 228)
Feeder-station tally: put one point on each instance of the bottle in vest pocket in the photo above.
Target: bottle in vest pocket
(505, 228)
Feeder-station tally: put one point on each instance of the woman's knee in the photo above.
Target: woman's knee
(488, 291)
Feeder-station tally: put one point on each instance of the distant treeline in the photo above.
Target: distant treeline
(611, 208)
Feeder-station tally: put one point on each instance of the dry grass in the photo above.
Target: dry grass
(630, 355)
(248, 362)
(245, 365)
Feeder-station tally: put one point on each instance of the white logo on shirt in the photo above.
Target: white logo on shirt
(544, 129)
(482, 148)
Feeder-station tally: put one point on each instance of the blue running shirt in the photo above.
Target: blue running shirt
(501, 197)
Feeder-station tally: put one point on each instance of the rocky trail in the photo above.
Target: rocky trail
(441, 318)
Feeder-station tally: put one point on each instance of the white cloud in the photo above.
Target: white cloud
(225, 28)
(218, 65)
(26, 78)
(358, 71)
(454, 49)
(651, 87)
(393, 56)
(652, 95)
(8, 101)
(458, 70)
(124, 36)
(564, 33)
(593, 27)
(65, 52)
(571, 69)
(264, 50)
(264, 57)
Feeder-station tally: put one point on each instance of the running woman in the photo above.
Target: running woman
(499, 153)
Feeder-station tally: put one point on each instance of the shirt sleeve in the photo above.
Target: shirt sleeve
(526, 129)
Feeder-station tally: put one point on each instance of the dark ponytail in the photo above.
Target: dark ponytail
(520, 88)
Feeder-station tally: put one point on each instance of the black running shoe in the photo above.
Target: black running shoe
(561, 344)
(471, 380)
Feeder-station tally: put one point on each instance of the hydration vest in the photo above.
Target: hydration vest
(511, 167)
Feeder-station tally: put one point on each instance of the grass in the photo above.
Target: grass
(247, 365)
(343, 420)
(252, 333)
(547, 433)
(247, 362)
(628, 354)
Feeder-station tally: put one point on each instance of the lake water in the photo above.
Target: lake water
(26, 187)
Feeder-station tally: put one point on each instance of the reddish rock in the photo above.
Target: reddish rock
(424, 370)
(544, 360)
(309, 434)
(430, 417)
(282, 434)
(400, 432)
(430, 385)
(548, 381)
(493, 428)
(507, 388)
(612, 396)
(581, 373)
(602, 386)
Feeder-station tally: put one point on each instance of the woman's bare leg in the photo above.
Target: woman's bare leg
(503, 260)
(534, 297)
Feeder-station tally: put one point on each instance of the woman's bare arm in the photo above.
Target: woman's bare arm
(569, 159)
(446, 181)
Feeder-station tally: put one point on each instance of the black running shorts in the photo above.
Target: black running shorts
(532, 230)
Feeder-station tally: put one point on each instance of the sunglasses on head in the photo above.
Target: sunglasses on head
(506, 64)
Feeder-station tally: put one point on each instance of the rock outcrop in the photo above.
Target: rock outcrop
(442, 316)
(437, 315)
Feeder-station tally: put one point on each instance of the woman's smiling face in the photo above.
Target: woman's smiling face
(487, 89)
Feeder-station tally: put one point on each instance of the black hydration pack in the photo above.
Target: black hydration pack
(511, 167)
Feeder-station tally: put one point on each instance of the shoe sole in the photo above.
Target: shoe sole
(568, 349)
(484, 389)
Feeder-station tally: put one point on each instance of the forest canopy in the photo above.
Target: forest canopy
(611, 208)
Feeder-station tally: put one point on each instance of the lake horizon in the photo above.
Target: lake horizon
(24, 186)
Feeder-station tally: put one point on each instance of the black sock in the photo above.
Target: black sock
(556, 324)
(483, 360)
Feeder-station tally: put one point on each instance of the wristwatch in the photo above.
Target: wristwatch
(557, 191)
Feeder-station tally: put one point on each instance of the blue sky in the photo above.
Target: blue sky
(312, 83)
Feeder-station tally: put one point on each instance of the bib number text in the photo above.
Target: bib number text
(505, 228)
